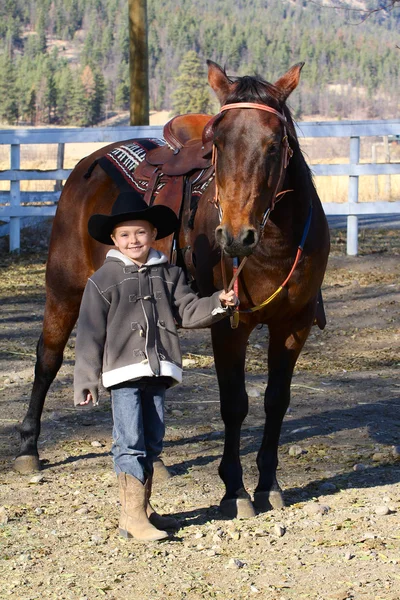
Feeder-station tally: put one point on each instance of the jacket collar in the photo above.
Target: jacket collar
(155, 257)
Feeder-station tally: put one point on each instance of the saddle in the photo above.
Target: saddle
(183, 156)
(168, 172)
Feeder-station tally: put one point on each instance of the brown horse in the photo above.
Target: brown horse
(251, 154)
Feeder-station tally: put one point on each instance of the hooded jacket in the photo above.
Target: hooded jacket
(127, 326)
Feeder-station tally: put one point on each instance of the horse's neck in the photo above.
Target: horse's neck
(289, 217)
(299, 179)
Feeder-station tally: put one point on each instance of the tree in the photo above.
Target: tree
(78, 106)
(51, 97)
(65, 84)
(97, 106)
(191, 94)
(41, 33)
(31, 106)
(8, 94)
(122, 89)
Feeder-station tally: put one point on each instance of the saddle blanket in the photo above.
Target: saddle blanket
(121, 162)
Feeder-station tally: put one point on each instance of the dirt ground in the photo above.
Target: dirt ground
(339, 536)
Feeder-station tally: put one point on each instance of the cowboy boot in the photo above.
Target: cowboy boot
(133, 520)
(160, 471)
(160, 522)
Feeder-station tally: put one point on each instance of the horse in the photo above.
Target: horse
(261, 210)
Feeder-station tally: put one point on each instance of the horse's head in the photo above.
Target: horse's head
(250, 147)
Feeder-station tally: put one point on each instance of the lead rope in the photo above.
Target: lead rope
(296, 261)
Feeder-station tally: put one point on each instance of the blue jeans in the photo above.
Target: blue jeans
(138, 433)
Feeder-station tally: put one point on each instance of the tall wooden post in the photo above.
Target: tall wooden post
(138, 63)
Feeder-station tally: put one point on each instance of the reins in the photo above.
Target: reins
(237, 268)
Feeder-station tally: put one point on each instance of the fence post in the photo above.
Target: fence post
(388, 183)
(352, 220)
(60, 165)
(15, 199)
(376, 177)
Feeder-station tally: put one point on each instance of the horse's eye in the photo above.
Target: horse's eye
(273, 151)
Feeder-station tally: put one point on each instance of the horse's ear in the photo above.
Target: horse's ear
(289, 81)
(218, 81)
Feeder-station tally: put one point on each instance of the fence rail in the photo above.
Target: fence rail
(15, 204)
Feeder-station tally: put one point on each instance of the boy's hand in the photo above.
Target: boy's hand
(89, 398)
(228, 298)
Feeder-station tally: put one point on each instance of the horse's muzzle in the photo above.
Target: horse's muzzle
(241, 245)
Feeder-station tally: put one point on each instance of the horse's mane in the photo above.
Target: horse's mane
(256, 89)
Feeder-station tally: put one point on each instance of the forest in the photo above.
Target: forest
(65, 62)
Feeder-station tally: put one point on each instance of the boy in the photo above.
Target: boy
(127, 331)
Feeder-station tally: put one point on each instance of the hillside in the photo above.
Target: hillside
(66, 61)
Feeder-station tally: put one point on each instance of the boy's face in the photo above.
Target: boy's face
(134, 239)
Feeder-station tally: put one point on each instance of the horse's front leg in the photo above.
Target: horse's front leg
(229, 353)
(285, 345)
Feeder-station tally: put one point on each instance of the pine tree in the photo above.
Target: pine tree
(65, 82)
(51, 97)
(31, 106)
(41, 34)
(123, 87)
(191, 94)
(98, 97)
(8, 94)
(78, 107)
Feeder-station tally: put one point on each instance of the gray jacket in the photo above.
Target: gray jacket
(127, 322)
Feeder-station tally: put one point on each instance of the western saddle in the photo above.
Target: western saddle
(184, 156)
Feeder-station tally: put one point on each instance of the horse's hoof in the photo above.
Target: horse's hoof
(161, 473)
(238, 508)
(264, 501)
(27, 464)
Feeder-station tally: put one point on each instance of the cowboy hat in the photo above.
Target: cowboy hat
(130, 206)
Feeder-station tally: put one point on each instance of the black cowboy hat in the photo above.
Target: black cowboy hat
(130, 206)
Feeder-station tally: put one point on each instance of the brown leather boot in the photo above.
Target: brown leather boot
(133, 520)
(161, 522)
(161, 473)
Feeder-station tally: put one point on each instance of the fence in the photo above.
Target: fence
(16, 204)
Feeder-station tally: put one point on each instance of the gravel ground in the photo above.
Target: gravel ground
(338, 537)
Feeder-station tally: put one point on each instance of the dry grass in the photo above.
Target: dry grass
(371, 188)
(336, 151)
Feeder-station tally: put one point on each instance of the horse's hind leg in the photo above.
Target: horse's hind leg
(60, 316)
(229, 352)
(284, 348)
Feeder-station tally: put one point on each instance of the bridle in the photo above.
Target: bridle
(286, 155)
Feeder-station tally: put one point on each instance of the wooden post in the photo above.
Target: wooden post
(138, 63)
(15, 200)
(60, 165)
(352, 220)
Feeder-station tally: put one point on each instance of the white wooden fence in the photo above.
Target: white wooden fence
(16, 204)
